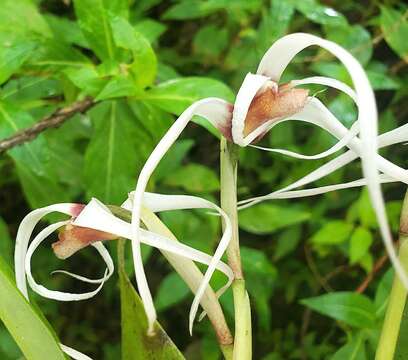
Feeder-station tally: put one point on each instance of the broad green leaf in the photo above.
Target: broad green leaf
(66, 30)
(193, 9)
(354, 38)
(22, 16)
(176, 95)
(332, 233)
(394, 26)
(33, 154)
(40, 190)
(351, 308)
(383, 291)
(28, 328)
(93, 20)
(353, 350)
(12, 57)
(210, 41)
(260, 276)
(380, 79)
(6, 245)
(8, 347)
(87, 79)
(318, 13)
(193, 178)
(144, 64)
(274, 24)
(360, 242)
(135, 343)
(287, 242)
(111, 157)
(171, 291)
(173, 159)
(118, 86)
(150, 29)
(267, 218)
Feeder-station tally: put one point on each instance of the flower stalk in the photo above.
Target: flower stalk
(398, 296)
(243, 334)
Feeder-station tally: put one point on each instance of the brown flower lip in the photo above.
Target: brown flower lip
(269, 104)
(74, 238)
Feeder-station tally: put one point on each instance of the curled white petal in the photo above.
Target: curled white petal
(97, 216)
(249, 88)
(74, 354)
(322, 80)
(216, 111)
(273, 64)
(23, 238)
(58, 295)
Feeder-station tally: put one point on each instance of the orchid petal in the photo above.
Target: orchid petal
(74, 354)
(216, 111)
(273, 64)
(249, 88)
(23, 238)
(322, 80)
(105, 256)
(97, 216)
(58, 295)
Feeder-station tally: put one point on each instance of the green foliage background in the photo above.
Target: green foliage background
(145, 61)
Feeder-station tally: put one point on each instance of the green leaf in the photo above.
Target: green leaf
(193, 9)
(176, 95)
(360, 242)
(394, 26)
(33, 154)
(172, 290)
(66, 30)
(401, 350)
(380, 79)
(287, 242)
(318, 13)
(13, 56)
(144, 65)
(150, 29)
(333, 233)
(6, 245)
(193, 178)
(93, 20)
(383, 292)
(29, 329)
(135, 343)
(267, 218)
(173, 159)
(111, 155)
(354, 38)
(351, 308)
(353, 350)
(274, 24)
(22, 16)
(118, 86)
(210, 41)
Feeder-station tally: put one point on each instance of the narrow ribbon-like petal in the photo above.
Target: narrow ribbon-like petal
(273, 64)
(58, 295)
(24, 233)
(216, 111)
(97, 216)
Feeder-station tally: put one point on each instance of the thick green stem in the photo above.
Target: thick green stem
(243, 334)
(396, 303)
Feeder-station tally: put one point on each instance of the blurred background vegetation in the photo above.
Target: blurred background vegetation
(291, 250)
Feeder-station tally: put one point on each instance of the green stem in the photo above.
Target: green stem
(243, 334)
(396, 303)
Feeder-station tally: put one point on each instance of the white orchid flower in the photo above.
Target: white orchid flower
(93, 223)
(261, 104)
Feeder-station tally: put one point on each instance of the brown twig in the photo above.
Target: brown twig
(56, 119)
(376, 268)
